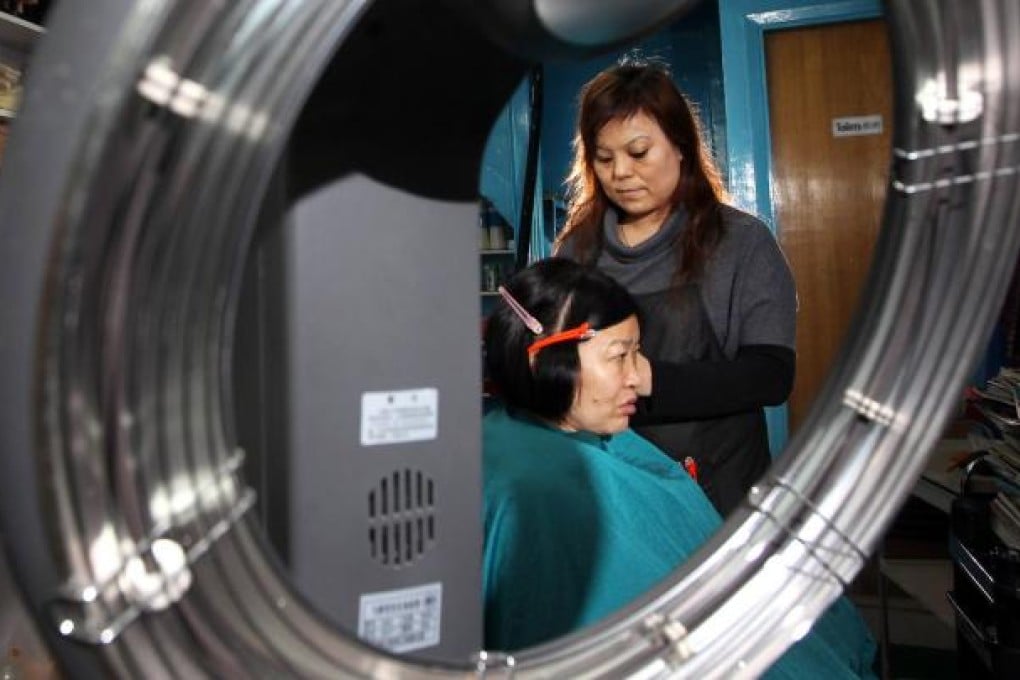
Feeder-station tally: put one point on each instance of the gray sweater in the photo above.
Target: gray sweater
(747, 296)
(747, 289)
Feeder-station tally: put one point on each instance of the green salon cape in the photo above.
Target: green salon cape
(578, 525)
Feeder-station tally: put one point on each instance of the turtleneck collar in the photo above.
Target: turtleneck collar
(661, 240)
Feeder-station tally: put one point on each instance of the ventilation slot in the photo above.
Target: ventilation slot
(401, 518)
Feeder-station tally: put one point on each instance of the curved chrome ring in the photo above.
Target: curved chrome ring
(120, 278)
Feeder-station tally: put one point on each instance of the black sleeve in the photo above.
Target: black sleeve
(760, 375)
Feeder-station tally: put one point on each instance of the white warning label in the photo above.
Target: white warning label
(402, 620)
(399, 416)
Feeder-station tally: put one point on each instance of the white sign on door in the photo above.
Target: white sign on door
(855, 126)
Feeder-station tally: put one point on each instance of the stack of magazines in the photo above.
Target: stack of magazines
(995, 441)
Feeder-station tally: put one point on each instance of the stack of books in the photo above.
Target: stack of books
(994, 465)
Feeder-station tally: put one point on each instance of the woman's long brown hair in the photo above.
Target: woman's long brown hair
(618, 93)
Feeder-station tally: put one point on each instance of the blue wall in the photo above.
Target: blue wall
(505, 156)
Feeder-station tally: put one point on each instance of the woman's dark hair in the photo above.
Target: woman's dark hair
(561, 294)
(617, 93)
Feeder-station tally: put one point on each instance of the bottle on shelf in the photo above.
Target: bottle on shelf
(491, 276)
(493, 226)
(497, 237)
(497, 248)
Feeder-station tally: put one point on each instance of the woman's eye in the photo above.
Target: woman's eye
(602, 160)
(639, 154)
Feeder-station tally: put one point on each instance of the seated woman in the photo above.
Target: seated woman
(581, 512)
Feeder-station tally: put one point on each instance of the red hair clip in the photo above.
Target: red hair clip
(582, 332)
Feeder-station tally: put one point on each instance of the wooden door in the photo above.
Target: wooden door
(830, 109)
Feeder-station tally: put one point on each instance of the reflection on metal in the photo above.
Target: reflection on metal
(163, 87)
(593, 22)
(99, 613)
(134, 308)
(913, 155)
(869, 408)
(938, 107)
(957, 180)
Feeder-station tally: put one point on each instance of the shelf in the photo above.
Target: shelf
(926, 581)
(18, 33)
(501, 251)
(488, 293)
(940, 480)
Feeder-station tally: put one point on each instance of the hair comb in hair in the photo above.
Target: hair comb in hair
(531, 322)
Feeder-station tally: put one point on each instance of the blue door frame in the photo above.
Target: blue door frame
(743, 24)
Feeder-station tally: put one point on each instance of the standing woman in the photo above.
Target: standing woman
(715, 293)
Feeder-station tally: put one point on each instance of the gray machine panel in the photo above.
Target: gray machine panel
(380, 296)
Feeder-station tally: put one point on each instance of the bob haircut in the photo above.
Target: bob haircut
(561, 294)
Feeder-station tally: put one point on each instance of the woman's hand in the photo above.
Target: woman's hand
(644, 388)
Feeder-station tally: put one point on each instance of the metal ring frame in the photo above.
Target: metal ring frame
(118, 300)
